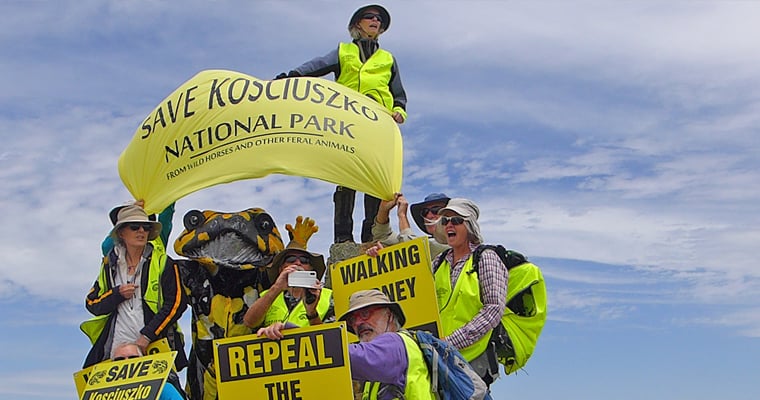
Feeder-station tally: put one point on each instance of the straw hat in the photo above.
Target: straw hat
(132, 213)
(114, 214)
(317, 260)
(372, 297)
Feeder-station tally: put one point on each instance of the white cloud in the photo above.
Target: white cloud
(614, 142)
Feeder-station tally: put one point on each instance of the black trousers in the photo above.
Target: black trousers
(344, 210)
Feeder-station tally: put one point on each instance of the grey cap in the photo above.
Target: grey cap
(467, 209)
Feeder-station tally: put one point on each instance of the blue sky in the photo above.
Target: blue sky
(614, 143)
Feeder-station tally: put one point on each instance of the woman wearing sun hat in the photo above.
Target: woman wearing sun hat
(137, 296)
(165, 218)
(470, 305)
(363, 66)
(382, 82)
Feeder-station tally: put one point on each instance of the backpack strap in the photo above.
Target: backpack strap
(431, 360)
(439, 260)
(510, 258)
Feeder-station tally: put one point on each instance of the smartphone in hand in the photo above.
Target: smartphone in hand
(304, 279)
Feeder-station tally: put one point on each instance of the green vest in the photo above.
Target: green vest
(278, 311)
(152, 295)
(418, 386)
(370, 78)
(459, 306)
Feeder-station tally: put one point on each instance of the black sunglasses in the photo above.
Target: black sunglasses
(292, 258)
(433, 209)
(373, 15)
(136, 227)
(454, 220)
(125, 358)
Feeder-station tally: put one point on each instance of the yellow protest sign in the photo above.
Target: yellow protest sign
(81, 377)
(306, 364)
(402, 271)
(158, 346)
(222, 126)
(135, 378)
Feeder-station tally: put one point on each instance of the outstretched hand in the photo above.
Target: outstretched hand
(384, 210)
(387, 205)
(403, 204)
(273, 331)
(303, 230)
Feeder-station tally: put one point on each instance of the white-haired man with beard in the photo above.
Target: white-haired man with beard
(387, 359)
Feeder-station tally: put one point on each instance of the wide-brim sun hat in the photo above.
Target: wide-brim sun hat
(317, 260)
(131, 213)
(386, 22)
(467, 209)
(416, 208)
(114, 214)
(368, 298)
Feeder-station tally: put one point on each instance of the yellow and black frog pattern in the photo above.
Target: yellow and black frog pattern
(229, 259)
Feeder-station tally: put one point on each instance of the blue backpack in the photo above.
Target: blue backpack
(451, 376)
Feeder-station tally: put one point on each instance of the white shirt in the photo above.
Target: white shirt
(129, 315)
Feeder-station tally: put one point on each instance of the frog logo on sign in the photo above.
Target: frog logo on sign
(96, 377)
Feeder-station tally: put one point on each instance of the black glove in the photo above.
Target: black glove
(281, 75)
(310, 297)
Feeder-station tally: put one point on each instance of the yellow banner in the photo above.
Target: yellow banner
(134, 378)
(222, 126)
(308, 363)
(403, 272)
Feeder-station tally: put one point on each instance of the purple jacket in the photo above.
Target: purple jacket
(382, 360)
